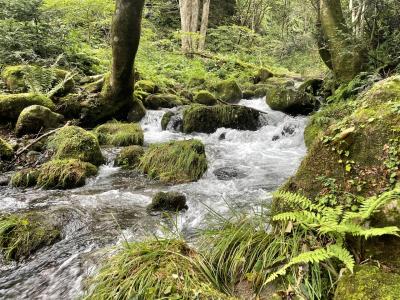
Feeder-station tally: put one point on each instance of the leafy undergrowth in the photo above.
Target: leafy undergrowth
(22, 235)
(157, 269)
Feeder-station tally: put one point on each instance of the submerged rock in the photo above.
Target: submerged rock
(170, 201)
(6, 150)
(129, 157)
(166, 119)
(12, 105)
(207, 119)
(35, 118)
(24, 234)
(229, 91)
(205, 98)
(120, 134)
(175, 162)
(228, 173)
(162, 101)
(76, 143)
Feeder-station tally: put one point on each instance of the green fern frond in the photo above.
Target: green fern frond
(372, 232)
(296, 199)
(303, 217)
(343, 255)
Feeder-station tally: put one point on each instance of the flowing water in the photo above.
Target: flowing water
(243, 168)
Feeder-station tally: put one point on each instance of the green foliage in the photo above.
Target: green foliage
(23, 234)
(155, 269)
(25, 178)
(6, 151)
(119, 134)
(129, 157)
(179, 161)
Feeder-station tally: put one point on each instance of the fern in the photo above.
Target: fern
(296, 199)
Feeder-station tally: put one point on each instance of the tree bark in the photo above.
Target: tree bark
(204, 24)
(346, 56)
(116, 100)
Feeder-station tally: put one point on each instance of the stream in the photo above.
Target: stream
(244, 167)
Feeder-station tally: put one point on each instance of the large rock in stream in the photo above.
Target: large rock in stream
(207, 119)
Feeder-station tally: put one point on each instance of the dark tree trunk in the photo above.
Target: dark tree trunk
(116, 99)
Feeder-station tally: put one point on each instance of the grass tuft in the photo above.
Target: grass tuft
(120, 134)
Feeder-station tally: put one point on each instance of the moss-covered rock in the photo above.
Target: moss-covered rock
(161, 101)
(290, 101)
(262, 75)
(369, 283)
(36, 118)
(155, 269)
(120, 134)
(249, 94)
(170, 201)
(165, 119)
(147, 86)
(25, 178)
(76, 143)
(12, 105)
(129, 157)
(69, 106)
(358, 153)
(207, 119)
(312, 86)
(205, 98)
(17, 78)
(6, 150)
(176, 162)
(23, 234)
(65, 174)
(228, 91)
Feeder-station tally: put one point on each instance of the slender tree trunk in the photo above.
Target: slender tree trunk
(204, 24)
(116, 100)
(346, 57)
(184, 9)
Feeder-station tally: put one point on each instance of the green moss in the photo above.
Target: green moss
(161, 101)
(120, 134)
(165, 119)
(69, 106)
(249, 94)
(129, 157)
(199, 118)
(369, 283)
(146, 86)
(23, 234)
(178, 161)
(6, 151)
(65, 174)
(12, 105)
(170, 201)
(25, 178)
(262, 75)
(205, 98)
(162, 269)
(36, 118)
(75, 142)
(228, 91)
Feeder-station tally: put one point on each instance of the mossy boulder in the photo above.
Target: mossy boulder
(23, 234)
(162, 101)
(207, 119)
(312, 86)
(6, 150)
(25, 178)
(228, 91)
(35, 118)
(70, 106)
(291, 101)
(65, 174)
(147, 86)
(205, 98)
(175, 162)
(248, 94)
(262, 75)
(369, 283)
(359, 152)
(129, 157)
(73, 142)
(120, 134)
(165, 119)
(12, 105)
(17, 78)
(170, 201)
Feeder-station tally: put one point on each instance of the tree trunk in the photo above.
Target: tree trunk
(116, 100)
(346, 57)
(204, 24)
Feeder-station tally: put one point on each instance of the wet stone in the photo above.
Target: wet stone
(228, 173)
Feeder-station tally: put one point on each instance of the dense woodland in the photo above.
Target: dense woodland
(79, 83)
